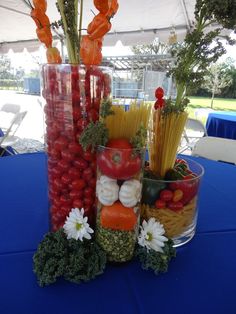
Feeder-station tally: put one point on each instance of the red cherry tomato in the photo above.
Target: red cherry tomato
(87, 174)
(160, 204)
(60, 143)
(56, 172)
(78, 184)
(63, 165)
(88, 191)
(77, 114)
(76, 194)
(166, 195)
(74, 173)
(93, 115)
(65, 210)
(175, 206)
(159, 93)
(92, 183)
(75, 147)
(81, 124)
(67, 155)
(80, 163)
(65, 200)
(88, 155)
(57, 183)
(66, 178)
(188, 187)
(55, 154)
(78, 203)
(88, 201)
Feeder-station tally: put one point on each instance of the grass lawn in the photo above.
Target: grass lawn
(219, 104)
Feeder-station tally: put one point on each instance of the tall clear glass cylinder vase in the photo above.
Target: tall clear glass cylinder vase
(118, 189)
(73, 94)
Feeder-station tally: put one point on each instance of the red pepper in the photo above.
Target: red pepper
(99, 26)
(90, 50)
(101, 5)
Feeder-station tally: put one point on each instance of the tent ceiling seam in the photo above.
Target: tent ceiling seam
(13, 10)
(186, 16)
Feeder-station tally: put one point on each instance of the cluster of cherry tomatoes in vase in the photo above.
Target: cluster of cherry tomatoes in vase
(73, 95)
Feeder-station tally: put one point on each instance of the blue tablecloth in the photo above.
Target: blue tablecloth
(200, 280)
(222, 124)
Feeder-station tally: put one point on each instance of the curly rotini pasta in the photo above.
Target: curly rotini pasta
(174, 223)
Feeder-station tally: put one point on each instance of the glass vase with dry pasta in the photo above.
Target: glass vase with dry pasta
(170, 186)
(119, 180)
(173, 200)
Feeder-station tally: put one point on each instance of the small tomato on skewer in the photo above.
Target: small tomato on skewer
(90, 50)
(101, 5)
(44, 35)
(99, 26)
(53, 55)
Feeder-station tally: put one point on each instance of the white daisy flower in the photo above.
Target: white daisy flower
(151, 235)
(76, 225)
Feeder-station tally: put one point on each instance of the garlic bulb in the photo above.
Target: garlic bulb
(130, 193)
(107, 190)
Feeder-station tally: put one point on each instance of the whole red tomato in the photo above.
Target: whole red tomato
(120, 161)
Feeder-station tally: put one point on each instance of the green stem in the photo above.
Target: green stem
(188, 62)
(80, 23)
(71, 41)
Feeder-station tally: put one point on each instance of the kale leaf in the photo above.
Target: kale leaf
(76, 261)
(156, 261)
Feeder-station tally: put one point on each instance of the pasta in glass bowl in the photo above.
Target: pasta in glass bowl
(174, 202)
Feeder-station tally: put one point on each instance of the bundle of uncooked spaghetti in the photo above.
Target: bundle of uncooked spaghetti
(126, 123)
(164, 139)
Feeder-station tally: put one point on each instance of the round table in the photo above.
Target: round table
(222, 124)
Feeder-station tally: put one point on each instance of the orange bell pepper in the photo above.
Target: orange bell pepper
(113, 7)
(44, 35)
(90, 50)
(40, 18)
(53, 55)
(99, 26)
(118, 217)
(101, 5)
(40, 4)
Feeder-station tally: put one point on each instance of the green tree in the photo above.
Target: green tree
(155, 48)
(230, 90)
(6, 71)
(217, 78)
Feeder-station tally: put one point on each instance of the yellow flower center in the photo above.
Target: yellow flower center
(78, 226)
(149, 236)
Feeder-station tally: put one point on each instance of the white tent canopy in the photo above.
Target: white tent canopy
(136, 22)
